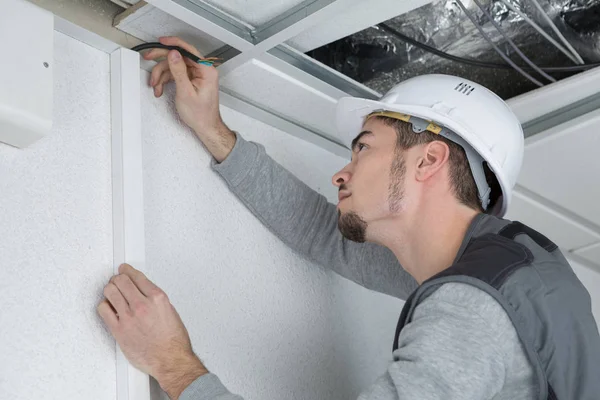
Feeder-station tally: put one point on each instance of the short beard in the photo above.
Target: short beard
(352, 226)
(396, 189)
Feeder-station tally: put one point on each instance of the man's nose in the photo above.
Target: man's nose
(341, 178)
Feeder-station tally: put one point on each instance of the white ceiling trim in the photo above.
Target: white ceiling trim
(583, 249)
(573, 257)
(269, 117)
(309, 82)
(563, 129)
(555, 209)
(83, 35)
(197, 20)
(324, 14)
(555, 96)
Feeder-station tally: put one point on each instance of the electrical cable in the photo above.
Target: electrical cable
(212, 61)
(555, 29)
(540, 30)
(512, 44)
(491, 42)
(472, 62)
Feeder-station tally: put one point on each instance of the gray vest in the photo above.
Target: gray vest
(548, 305)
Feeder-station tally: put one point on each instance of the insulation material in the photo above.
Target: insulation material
(259, 315)
(380, 60)
(578, 20)
(56, 247)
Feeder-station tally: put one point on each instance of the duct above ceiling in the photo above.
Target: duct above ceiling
(379, 59)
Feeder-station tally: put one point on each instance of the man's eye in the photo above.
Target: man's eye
(361, 146)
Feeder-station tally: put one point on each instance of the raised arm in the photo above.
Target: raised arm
(306, 222)
(299, 216)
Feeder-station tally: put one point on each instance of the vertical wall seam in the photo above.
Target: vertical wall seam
(128, 206)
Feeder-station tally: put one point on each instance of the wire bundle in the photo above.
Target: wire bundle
(211, 61)
(569, 51)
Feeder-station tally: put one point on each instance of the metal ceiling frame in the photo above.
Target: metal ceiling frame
(255, 42)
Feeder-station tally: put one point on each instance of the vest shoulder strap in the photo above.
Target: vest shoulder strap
(487, 262)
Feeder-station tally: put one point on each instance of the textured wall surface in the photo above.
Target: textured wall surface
(259, 315)
(269, 323)
(364, 333)
(56, 242)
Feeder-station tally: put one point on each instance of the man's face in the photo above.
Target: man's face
(371, 186)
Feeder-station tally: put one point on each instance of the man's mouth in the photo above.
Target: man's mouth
(342, 196)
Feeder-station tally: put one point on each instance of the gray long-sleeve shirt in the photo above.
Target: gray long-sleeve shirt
(460, 343)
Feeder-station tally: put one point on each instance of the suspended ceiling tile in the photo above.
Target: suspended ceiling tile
(590, 253)
(561, 230)
(253, 12)
(562, 165)
(280, 93)
(148, 23)
(354, 19)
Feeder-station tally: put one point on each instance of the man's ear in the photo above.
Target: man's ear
(433, 157)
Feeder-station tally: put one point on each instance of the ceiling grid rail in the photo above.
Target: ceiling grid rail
(246, 42)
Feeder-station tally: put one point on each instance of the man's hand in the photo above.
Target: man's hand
(197, 98)
(149, 330)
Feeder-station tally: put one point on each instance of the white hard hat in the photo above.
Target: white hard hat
(464, 112)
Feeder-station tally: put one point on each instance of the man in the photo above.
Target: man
(495, 311)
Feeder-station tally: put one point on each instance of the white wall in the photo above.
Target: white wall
(364, 333)
(259, 315)
(56, 242)
(591, 280)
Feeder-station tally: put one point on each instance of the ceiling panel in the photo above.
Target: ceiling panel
(561, 230)
(590, 253)
(148, 23)
(286, 96)
(253, 12)
(354, 19)
(562, 165)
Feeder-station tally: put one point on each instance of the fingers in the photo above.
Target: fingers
(175, 41)
(158, 70)
(108, 315)
(143, 284)
(165, 78)
(112, 294)
(161, 75)
(155, 54)
(179, 71)
(129, 290)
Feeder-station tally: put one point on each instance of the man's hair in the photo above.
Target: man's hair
(461, 179)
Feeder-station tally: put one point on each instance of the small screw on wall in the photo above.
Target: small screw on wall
(46, 65)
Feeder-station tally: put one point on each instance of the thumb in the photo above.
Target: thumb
(179, 71)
